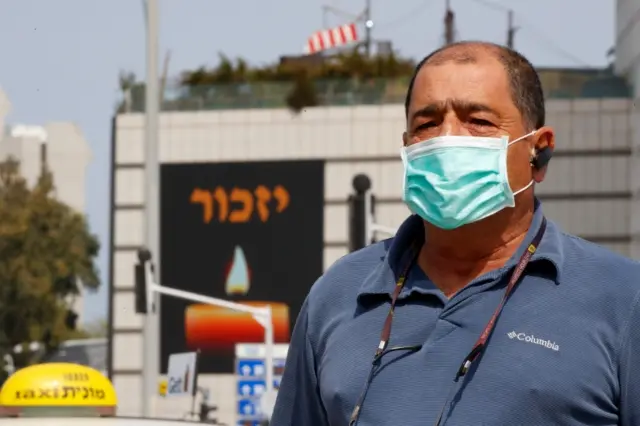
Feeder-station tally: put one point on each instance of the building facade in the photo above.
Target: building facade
(59, 145)
(627, 42)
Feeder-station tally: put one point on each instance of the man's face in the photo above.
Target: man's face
(473, 98)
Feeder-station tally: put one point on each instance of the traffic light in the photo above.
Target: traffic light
(140, 281)
(358, 206)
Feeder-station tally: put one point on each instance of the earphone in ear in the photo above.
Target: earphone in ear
(542, 158)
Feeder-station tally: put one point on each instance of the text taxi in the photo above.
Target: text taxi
(58, 394)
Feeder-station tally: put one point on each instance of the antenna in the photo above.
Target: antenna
(449, 24)
(511, 30)
(165, 73)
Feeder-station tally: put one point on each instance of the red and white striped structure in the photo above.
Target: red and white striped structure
(330, 38)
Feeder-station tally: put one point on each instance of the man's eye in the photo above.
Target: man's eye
(480, 122)
(426, 125)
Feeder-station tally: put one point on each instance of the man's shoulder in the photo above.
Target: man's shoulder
(601, 287)
(339, 286)
(350, 271)
(333, 299)
(586, 261)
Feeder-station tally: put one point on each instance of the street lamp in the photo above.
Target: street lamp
(151, 326)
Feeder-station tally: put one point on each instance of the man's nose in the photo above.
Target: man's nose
(452, 126)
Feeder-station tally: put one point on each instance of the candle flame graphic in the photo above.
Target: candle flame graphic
(238, 281)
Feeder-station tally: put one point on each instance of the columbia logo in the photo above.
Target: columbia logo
(530, 338)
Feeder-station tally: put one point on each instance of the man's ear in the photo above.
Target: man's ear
(405, 139)
(545, 139)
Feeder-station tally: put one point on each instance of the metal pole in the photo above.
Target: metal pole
(263, 315)
(150, 365)
(368, 23)
(268, 352)
(268, 398)
(258, 312)
(369, 219)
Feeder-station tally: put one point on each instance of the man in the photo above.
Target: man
(502, 319)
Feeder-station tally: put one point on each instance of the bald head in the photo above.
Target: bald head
(524, 83)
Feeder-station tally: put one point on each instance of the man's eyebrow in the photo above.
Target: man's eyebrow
(470, 107)
(428, 111)
(463, 106)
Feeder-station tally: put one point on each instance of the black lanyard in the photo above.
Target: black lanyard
(480, 344)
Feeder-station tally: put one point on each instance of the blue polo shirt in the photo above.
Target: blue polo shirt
(565, 350)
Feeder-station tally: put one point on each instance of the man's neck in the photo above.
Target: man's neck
(452, 259)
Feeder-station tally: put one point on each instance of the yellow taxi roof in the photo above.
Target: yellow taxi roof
(58, 384)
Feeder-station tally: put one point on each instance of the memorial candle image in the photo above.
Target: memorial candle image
(211, 328)
(239, 275)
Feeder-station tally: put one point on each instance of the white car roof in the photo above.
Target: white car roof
(93, 421)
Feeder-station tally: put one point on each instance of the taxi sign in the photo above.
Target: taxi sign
(58, 384)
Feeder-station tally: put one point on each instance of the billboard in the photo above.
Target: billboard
(247, 232)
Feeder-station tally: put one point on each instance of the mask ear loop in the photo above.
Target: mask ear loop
(527, 186)
(403, 157)
(522, 137)
(403, 154)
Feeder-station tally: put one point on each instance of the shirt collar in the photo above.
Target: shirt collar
(382, 279)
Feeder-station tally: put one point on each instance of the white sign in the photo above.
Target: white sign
(181, 374)
(253, 399)
(253, 350)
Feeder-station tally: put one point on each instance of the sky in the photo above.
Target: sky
(61, 59)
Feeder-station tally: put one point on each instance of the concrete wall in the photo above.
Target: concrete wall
(588, 189)
(68, 157)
